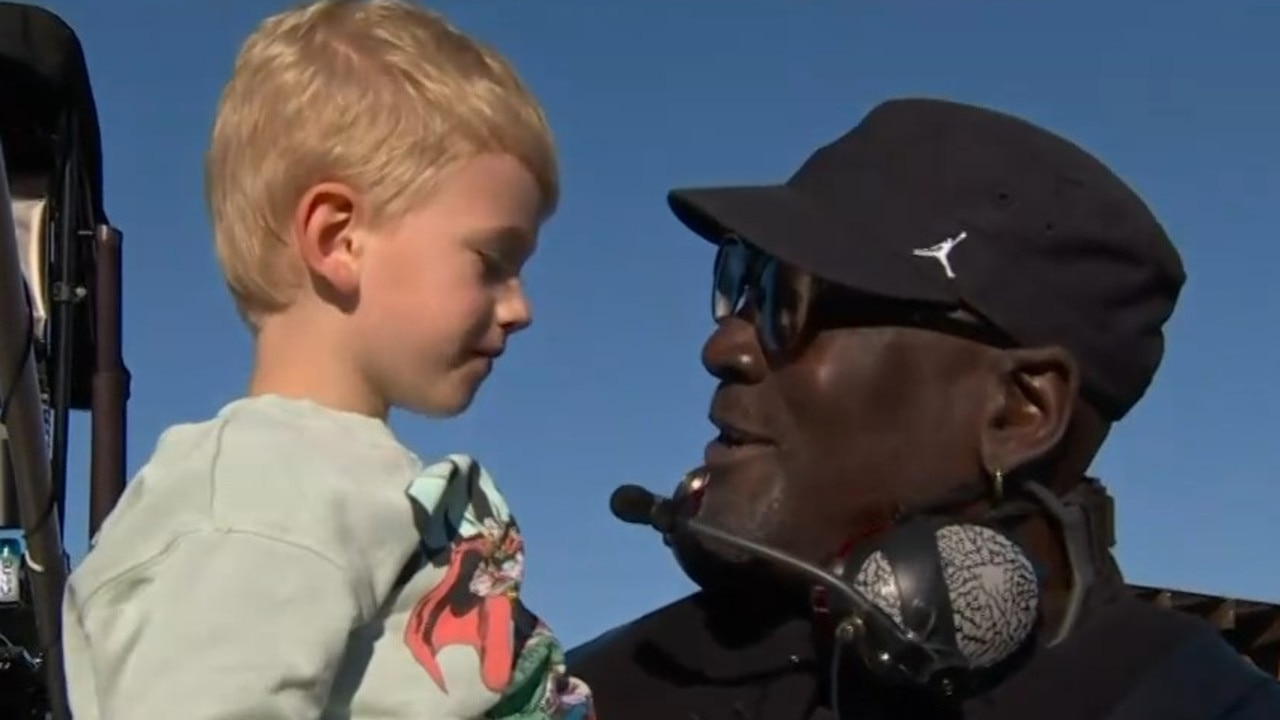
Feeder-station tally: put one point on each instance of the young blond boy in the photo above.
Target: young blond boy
(377, 180)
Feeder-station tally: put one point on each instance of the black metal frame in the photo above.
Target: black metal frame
(50, 138)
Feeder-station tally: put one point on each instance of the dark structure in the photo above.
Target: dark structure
(1252, 627)
(60, 339)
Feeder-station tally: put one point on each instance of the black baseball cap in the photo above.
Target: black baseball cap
(939, 202)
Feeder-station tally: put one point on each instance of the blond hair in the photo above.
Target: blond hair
(379, 94)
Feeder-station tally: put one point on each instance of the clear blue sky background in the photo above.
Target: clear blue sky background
(1181, 98)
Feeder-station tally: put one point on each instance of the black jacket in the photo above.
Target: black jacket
(1127, 660)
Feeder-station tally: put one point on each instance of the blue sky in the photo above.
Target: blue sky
(1180, 98)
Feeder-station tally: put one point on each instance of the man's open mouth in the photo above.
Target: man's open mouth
(732, 437)
(733, 443)
(736, 434)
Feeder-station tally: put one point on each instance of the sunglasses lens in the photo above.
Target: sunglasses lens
(729, 283)
(766, 295)
(777, 294)
(785, 303)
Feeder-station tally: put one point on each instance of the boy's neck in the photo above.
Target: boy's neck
(305, 361)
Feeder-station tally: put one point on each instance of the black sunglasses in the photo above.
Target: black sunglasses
(787, 305)
(755, 285)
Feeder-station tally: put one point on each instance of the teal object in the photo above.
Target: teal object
(10, 570)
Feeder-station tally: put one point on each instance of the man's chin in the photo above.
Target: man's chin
(739, 579)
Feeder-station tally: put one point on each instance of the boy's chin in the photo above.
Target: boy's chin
(446, 399)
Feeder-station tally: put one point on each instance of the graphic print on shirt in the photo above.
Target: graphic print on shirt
(541, 686)
(469, 534)
(480, 551)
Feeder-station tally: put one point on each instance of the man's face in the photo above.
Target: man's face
(858, 411)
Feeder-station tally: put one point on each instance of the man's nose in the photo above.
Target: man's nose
(513, 311)
(733, 352)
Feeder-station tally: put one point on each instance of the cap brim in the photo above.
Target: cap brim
(788, 225)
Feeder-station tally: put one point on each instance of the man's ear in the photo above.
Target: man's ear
(324, 228)
(1033, 397)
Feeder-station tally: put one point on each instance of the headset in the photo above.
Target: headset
(930, 603)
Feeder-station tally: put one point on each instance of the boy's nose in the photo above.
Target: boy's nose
(514, 312)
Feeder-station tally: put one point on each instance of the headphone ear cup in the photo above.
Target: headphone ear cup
(900, 571)
(994, 591)
(966, 594)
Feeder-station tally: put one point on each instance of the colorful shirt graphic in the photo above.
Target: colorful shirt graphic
(469, 533)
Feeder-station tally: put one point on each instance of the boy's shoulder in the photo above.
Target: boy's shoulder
(284, 470)
(269, 458)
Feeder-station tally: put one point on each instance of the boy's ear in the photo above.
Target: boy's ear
(324, 226)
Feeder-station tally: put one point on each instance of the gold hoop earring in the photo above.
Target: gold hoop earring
(997, 485)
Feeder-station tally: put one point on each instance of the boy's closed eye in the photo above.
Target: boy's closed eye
(503, 252)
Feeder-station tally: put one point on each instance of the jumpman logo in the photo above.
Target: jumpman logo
(942, 251)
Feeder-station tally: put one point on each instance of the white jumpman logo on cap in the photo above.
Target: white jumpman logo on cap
(941, 251)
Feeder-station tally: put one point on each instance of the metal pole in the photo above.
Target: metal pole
(110, 383)
(66, 294)
(24, 420)
(8, 492)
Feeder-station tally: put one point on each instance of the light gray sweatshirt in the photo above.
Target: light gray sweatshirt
(284, 561)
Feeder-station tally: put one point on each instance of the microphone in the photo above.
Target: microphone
(634, 505)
